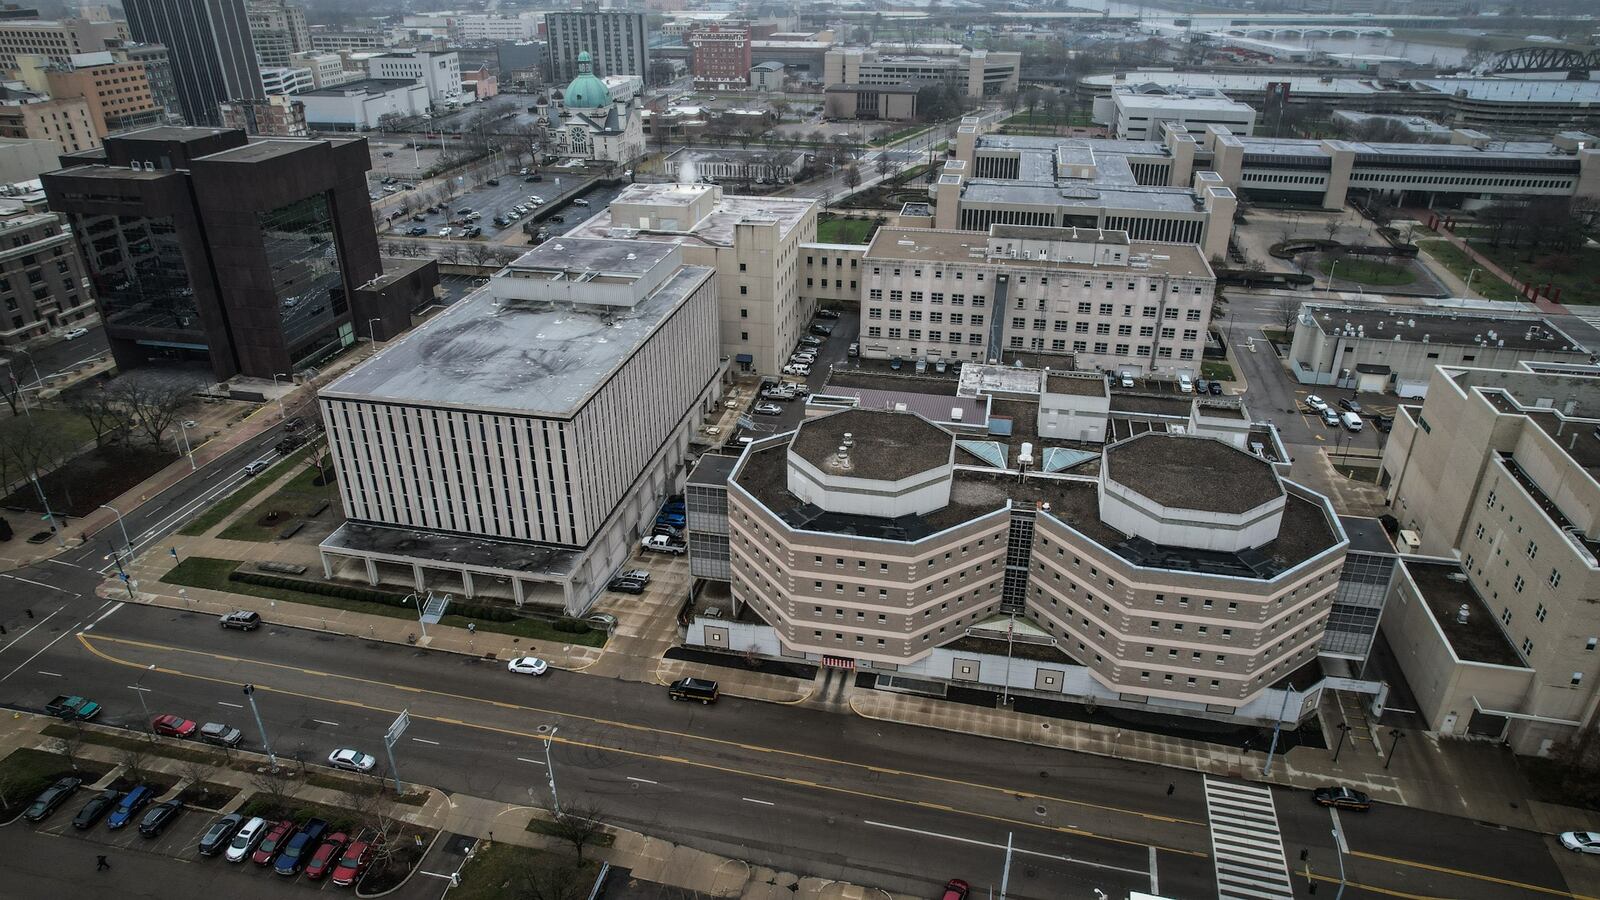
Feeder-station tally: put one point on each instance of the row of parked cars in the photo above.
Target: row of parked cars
(666, 536)
(312, 847)
(119, 809)
(1348, 414)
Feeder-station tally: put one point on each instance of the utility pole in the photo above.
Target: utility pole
(1005, 689)
(139, 688)
(1277, 728)
(555, 801)
(250, 695)
(1005, 876)
(48, 515)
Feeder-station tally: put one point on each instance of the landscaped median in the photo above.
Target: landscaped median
(225, 575)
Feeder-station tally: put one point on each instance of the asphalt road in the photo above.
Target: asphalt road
(800, 788)
(56, 357)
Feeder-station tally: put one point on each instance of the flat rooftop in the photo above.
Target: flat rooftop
(1480, 639)
(1144, 404)
(1081, 385)
(544, 562)
(713, 469)
(537, 360)
(364, 86)
(972, 247)
(1367, 535)
(715, 229)
(885, 446)
(1103, 192)
(258, 150)
(1193, 472)
(1462, 328)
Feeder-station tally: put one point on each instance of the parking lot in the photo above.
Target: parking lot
(830, 355)
(494, 200)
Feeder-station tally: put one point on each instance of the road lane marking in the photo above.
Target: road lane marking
(234, 705)
(50, 587)
(1009, 793)
(102, 616)
(1338, 831)
(51, 674)
(1014, 849)
(87, 642)
(19, 637)
(36, 655)
(1446, 870)
(642, 780)
(761, 802)
(537, 762)
(325, 722)
(64, 563)
(138, 687)
(1155, 883)
(426, 741)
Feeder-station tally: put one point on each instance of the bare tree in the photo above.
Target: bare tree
(69, 743)
(884, 163)
(481, 253)
(579, 824)
(1332, 228)
(100, 409)
(135, 760)
(1286, 311)
(274, 783)
(33, 446)
(852, 176)
(544, 878)
(197, 770)
(153, 400)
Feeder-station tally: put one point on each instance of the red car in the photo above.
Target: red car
(276, 837)
(354, 862)
(324, 858)
(173, 726)
(956, 889)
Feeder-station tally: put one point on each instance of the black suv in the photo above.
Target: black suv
(242, 619)
(701, 689)
(1350, 404)
(53, 796)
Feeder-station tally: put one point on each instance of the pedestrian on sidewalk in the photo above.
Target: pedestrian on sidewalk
(100, 864)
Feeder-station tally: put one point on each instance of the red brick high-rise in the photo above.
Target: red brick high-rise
(720, 57)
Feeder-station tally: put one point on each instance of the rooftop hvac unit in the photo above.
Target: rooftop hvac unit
(899, 407)
(1410, 542)
(1025, 458)
(1463, 614)
(955, 413)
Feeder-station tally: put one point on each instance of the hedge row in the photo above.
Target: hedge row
(388, 598)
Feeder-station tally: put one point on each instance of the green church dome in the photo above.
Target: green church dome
(586, 91)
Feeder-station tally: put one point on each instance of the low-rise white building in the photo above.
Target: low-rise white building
(287, 80)
(360, 105)
(441, 72)
(1139, 116)
(327, 69)
(522, 440)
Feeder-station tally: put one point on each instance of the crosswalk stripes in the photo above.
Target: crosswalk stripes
(1246, 845)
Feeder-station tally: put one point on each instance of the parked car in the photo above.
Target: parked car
(527, 665)
(534, 177)
(1383, 423)
(419, 217)
(353, 862)
(216, 838)
(351, 760)
(174, 726)
(446, 231)
(797, 369)
(416, 231)
(855, 349)
(579, 201)
(1351, 421)
(779, 394)
(52, 797)
(701, 689)
(130, 805)
(811, 340)
(827, 314)
(327, 856)
(221, 734)
(241, 619)
(768, 409)
(660, 544)
(493, 182)
(956, 889)
(1341, 798)
(158, 818)
(1350, 404)
(804, 357)
(76, 333)
(1125, 379)
(96, 809)
(824, 329)
(272, 842)
(1580, 841)
(1317, 404)
(501, 221)
(557, 219)
(1215, 388)
(464, 211)
(244, 840)
(601, 620)
(625, 586)
(299, 848)
(1185, 384)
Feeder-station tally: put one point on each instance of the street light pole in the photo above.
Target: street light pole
(555, 801)
(48, 514)
(125, 542)
(188, 448)
(1344, 730)
(22, 396)
(1277, 728)
(250, 695)
(372, 331)
(1332, 267)
(1338, 850)
(139, 688)
(1397, 734)
(275, 377)
(1469, 280)
(1005, 689)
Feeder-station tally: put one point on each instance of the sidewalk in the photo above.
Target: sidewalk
(1543, 303)
(650, 858)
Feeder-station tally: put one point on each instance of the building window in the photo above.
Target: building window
(1517, 583)
(1555, 578)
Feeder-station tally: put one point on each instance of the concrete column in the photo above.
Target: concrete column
(372, 571)
(327, 565)
(466, 582)
(568, 599)
(416, 576)
(516, 590)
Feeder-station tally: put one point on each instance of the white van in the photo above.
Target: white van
(1350, 420)
(1186, 384)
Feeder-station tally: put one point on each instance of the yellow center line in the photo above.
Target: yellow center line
(793, 754)
(1445, 870)
(640, 754)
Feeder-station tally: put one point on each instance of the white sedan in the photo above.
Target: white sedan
(1581, 841)
(353, 760)
(527, 665)
(1316, 403)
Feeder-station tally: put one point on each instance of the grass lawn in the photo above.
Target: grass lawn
(1366, 271)
(99, 476)
(893, 136)
(212, 573)
(26, 772)
(297, 499)
(1485, 284)
(845, 231)
(501, 870)
(251, 487)
(73, 427)
(1042, 119)
(1215, 370)
(1576, 273)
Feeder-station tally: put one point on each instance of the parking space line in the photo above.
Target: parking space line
(51, 674)
(234, 705)
(537, 762)
(325, 722)
(425, 741)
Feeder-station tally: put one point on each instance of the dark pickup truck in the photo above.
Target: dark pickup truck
(72, 707)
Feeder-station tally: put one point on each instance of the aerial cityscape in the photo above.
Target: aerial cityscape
(677, 449)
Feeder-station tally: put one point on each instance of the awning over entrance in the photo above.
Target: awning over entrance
(744, 358)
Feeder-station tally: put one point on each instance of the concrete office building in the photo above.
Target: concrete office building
(1379, 347)
(287, 80)
(749, 166)
(56, 40)
(35, 116)
(213, 59)
(1493, 481)
(1018, 180)
(361, 105)
(330, 40)
(277, 115)
(477, 29)
(615, 39)
(1114, 305)
(158, 72)
(278, 30)
(521, 441)
(116, 88)
(753, 244)
(25, 159)
(975, 73)
(42, 283)
(1139, 117)
(1184, 576)
(203, 245)
(327, 69)
(440, 72)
